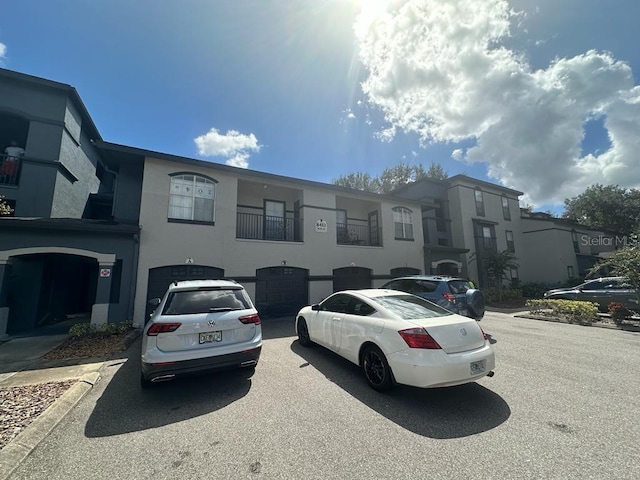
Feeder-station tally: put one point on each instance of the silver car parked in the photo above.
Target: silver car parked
(197, 326)
(602, 291)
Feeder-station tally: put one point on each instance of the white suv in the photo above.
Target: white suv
(200, 325)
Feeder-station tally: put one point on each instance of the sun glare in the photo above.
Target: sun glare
(370, 10)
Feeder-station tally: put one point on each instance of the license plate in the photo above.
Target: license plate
(210, 337)
(477, 367)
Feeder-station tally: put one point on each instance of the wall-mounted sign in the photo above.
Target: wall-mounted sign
(105, 272)
(321, 226)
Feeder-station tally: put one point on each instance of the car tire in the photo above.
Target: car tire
(376, 368)
(303, 333)
(475, 303)
(144, 383)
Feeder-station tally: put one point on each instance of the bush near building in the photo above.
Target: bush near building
(579, 312)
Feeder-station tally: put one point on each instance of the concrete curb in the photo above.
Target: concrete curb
(20, 447)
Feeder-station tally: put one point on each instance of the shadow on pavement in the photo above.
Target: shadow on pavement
(125, 407)
(279, 327)
(440, 413)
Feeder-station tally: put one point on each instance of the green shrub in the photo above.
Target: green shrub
(583, 313)
(81, 329)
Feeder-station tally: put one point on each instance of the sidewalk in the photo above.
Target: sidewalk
(21, 363)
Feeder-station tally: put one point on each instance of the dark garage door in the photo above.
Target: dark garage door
(281, 291)
(161, 277)
(351, 278)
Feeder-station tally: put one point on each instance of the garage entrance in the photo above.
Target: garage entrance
(161, 277)
(281, 291)
(351, 278)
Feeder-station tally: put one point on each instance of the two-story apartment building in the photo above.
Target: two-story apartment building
(70, 244)
(289, 241)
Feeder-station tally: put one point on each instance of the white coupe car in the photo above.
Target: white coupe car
(397, 337)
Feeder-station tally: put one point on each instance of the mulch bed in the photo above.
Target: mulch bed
(19, 406)
(92, 345)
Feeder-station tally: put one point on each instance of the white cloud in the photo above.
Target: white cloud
(233, 145)
(438, 69)
(3, 52)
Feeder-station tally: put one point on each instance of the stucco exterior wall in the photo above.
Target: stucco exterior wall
(167, 243)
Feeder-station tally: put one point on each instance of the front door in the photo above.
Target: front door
(374, 231)
(274, 213)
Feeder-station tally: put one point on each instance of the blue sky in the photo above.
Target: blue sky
(537, 95)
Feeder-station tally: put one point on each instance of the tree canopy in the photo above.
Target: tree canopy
(608, 207)
(391, 178)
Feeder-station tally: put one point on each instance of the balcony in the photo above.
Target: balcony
(354, 234)
(252, 226)
(9, 170)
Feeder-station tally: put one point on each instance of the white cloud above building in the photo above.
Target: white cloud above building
(234, 146)
(440, 70)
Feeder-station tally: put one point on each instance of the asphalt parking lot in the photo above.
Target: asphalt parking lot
(563, 404)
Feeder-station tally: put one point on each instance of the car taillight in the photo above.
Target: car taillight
(157, 328)
(419, 338)
(449, 297)
(250, 319)
(486, 337)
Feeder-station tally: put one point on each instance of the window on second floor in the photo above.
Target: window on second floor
(506, 213)
(403, 223)
(192, 198)
(510, 245)
(479, 202)
(487, 238)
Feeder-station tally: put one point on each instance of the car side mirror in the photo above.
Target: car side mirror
(315, 307)
(154, 302)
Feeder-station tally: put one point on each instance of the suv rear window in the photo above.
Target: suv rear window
(204, 301)
(459, 286)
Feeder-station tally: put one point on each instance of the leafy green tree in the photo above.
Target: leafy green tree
(390, 178)
(608, 207)
(358, 181)
(436, 172)
(497, 265)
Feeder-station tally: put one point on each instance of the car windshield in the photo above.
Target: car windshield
(410, 307)
(205, 301)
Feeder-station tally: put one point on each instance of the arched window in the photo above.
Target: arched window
(403, 223)
(192, 198)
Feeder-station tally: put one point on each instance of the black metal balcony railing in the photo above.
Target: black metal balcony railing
(9, 170)
(263, 227)
(351, 234)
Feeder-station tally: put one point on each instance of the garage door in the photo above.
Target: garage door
(161, 277)
(281, 291)
(351, 278)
